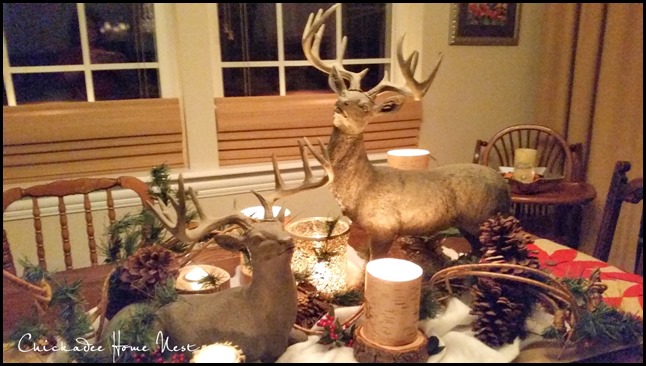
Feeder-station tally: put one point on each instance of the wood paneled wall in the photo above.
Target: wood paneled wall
(73, 139)
(251, 129)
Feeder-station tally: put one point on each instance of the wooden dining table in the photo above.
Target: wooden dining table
(625, 291)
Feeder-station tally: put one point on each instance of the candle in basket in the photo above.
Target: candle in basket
(524, 164)
(392, 295)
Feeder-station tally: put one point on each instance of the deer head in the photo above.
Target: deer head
(355, 108)
(259, 238)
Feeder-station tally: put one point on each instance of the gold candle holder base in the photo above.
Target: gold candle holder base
(366, 351)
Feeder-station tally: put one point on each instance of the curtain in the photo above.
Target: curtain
(590, 89)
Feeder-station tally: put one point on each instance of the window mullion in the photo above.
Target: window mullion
(282, 82)
(85, 49)
(165, 44)
(218, 80)
(6, 75)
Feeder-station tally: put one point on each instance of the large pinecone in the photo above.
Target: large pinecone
(310, 308)
(501, 307)
(504, 241)
(149, 266)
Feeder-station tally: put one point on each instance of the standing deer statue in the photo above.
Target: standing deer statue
(258, 317)
(383, 201)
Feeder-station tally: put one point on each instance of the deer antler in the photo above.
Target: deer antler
(308, 182)
(311, 42)
(175, 220)
(408, 67)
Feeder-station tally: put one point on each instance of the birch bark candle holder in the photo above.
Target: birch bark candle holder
(392, 295)
(409, 159)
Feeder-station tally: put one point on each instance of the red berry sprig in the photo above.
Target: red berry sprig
(335, 333)
(156, 356)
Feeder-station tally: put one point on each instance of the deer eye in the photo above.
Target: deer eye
(257, 238)
(389, 107)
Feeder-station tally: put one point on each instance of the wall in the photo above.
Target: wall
(478, 90)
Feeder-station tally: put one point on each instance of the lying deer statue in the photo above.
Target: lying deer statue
(386, 202)
(257, 317)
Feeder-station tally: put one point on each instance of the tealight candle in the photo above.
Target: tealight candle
(190, 277)
(409, 159)
(195, 274)
(392, 294)
(218, 353)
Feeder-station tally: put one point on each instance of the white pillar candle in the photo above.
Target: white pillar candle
(392, 294)
(524, 164)
(409, 159)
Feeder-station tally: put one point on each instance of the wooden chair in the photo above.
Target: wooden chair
(621, 191)
(61, 189)
(15, 305)
(554, 153)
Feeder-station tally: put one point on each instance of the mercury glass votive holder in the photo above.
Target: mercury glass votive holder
(320, 252)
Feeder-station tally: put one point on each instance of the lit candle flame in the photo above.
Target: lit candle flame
(195, 274)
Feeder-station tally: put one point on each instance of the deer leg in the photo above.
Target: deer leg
(380, 246)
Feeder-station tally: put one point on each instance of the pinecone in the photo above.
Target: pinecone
(502, 307)
(147, 267)
(310, 308)
(504, 241)
(500, 318)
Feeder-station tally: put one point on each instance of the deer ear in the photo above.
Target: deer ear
(392, 104)
(230, 242)
(281, 215)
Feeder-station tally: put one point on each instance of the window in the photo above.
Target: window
(261, 50)
(58, 60)
(79, 52)
(272, 96)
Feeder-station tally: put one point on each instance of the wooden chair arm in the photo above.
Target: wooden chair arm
(480, 144)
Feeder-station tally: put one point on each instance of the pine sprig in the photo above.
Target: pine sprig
(139, 330)
(31, 326)
(303, 275)
(429, 307)
(211, 280)
(32, 272)
(165, 293)
(349, 297)
(160, 187)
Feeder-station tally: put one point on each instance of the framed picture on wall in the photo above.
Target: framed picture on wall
(484, 24)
